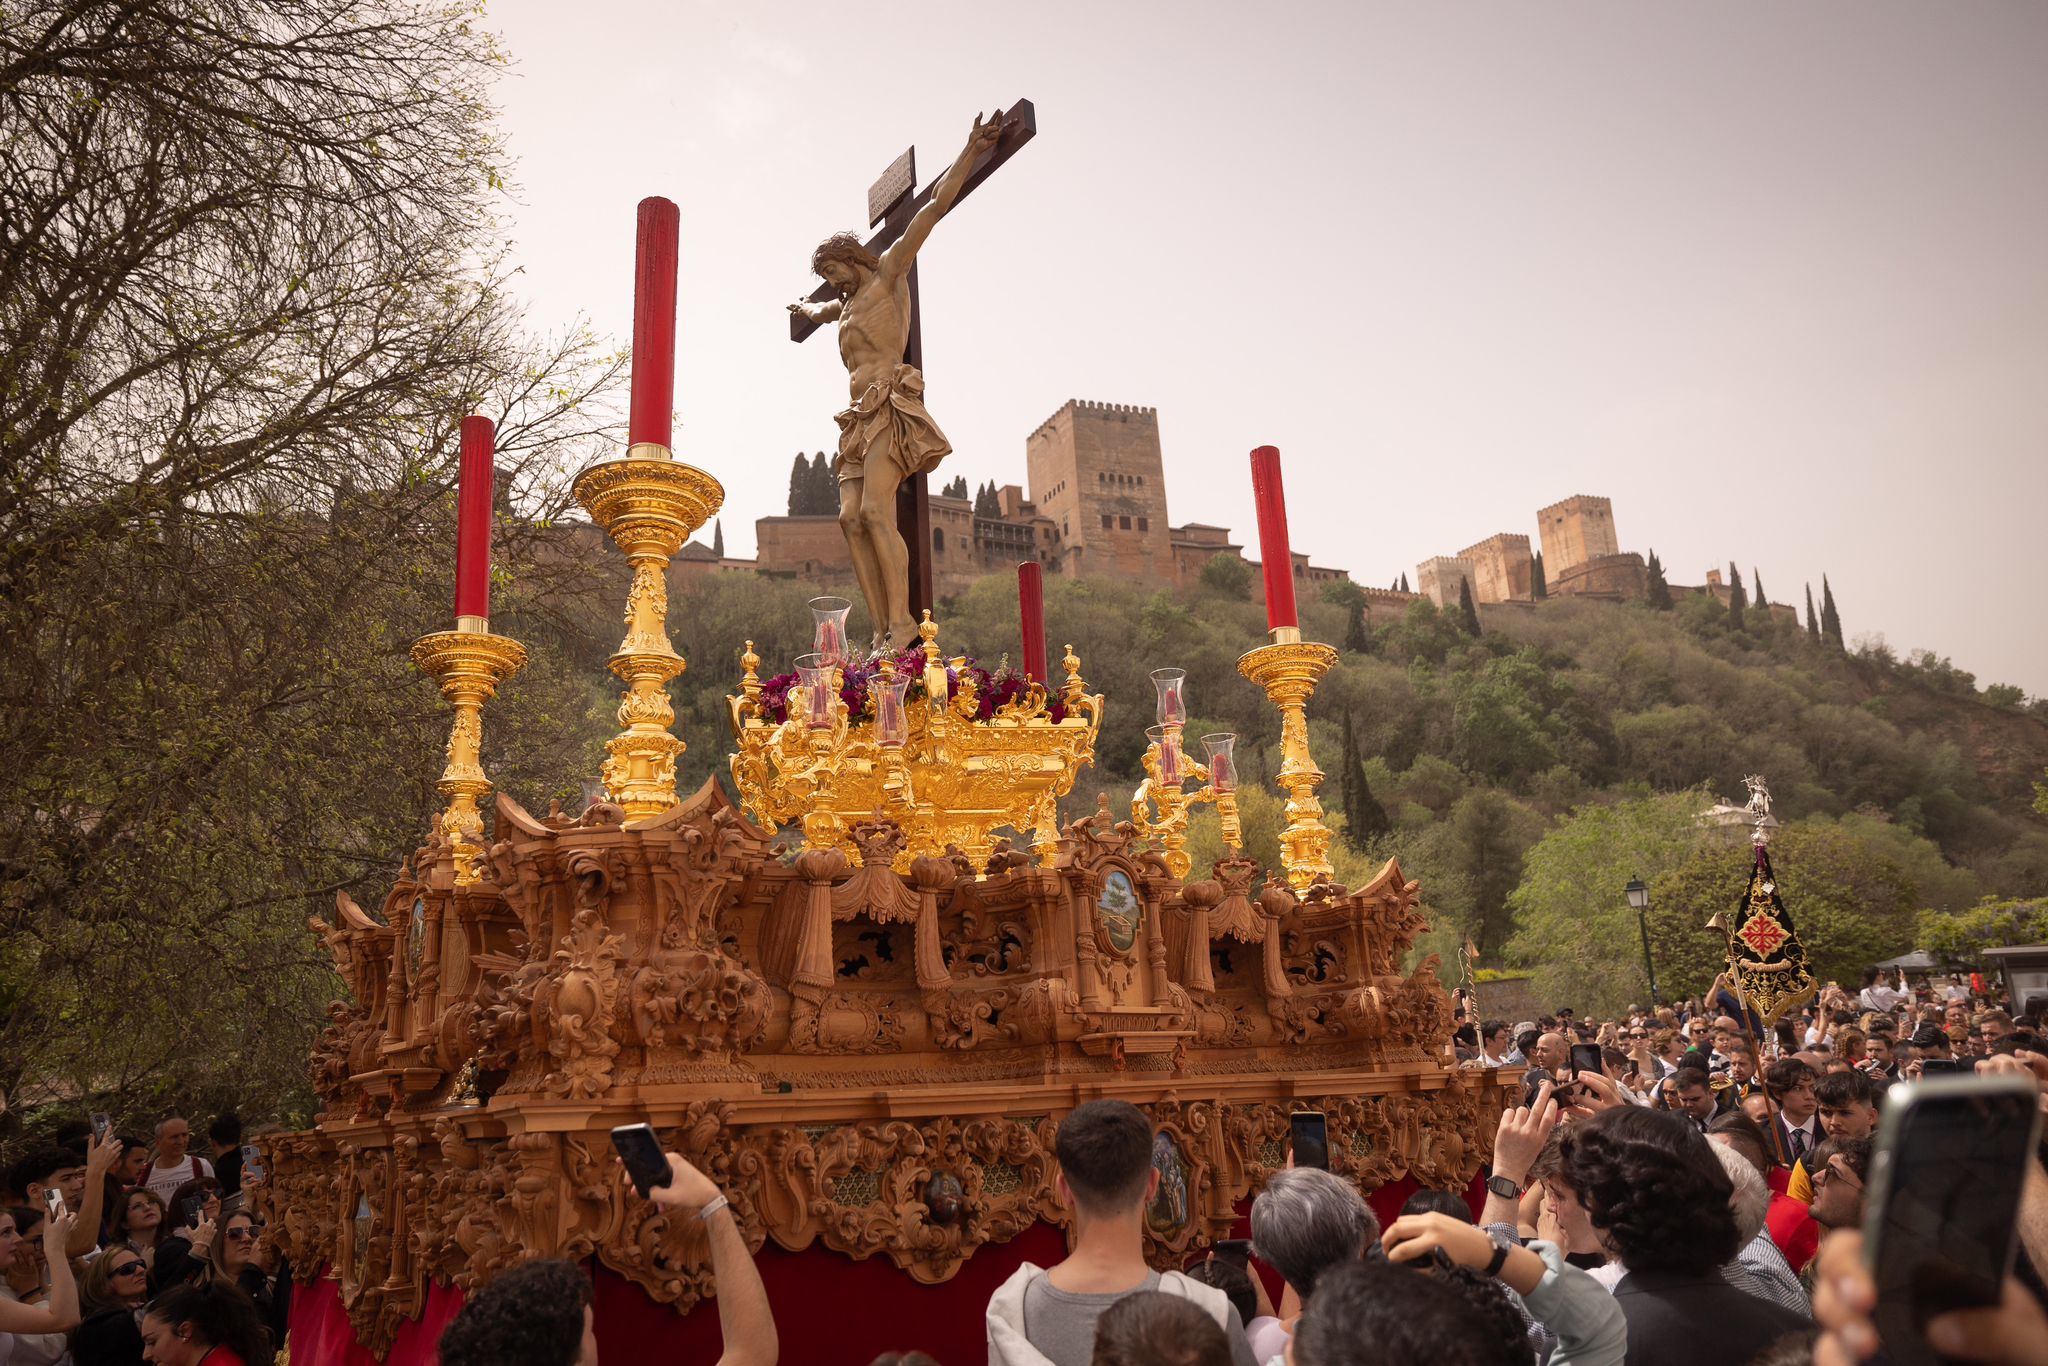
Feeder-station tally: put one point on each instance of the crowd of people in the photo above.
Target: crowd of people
(120, 1250)
(1695, 1198)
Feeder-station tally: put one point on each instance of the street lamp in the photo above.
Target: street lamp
(1639, 897)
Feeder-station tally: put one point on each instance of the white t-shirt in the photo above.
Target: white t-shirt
(1881, 998)
(164, 1181)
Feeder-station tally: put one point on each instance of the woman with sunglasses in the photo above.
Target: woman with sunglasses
(235, 1262)
(58, 1313)
(115, 1288)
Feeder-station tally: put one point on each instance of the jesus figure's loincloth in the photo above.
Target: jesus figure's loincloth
(891, 424)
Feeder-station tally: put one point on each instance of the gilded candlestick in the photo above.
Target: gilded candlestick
(469, 665)
(648, 503)
(1288, 670)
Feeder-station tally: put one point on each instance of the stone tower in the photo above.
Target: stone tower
(1502, 570)
(1095, 469)
(1579, 529)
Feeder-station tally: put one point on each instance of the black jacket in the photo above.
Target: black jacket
(1676, 1319)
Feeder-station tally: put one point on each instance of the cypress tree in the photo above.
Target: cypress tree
(1404, 582)
(1812, 620)
(1830, 619)
(718, 538)
(1357, 639)
(1395, 586)
(957, 488)
(1658, 594)
(1737, 599)
(799, 486)
(1468, 615)
(1363, 814)
(824, 487)
(1538, 585)
(1756, 582)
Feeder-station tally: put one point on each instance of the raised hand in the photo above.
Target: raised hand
(1522, 1134)
(687, 1187)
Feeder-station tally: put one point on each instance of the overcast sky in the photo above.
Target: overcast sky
(1773, 277)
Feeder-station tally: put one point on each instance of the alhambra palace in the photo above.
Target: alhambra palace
(1098, 506)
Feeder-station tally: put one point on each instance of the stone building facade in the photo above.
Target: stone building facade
(1502, 568)
(1097, 506)
(1577, 530)
(1438, 577)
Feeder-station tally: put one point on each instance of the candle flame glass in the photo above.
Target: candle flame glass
(1171, 683)
(817, 678)
(1222, 765)
(892, 726)
(828, 634)
(1168, 740)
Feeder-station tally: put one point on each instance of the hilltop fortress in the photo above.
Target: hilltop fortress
(1097, 505)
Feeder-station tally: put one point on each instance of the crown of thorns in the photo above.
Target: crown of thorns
(843, 246)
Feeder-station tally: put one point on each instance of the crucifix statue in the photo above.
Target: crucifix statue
(888, 442)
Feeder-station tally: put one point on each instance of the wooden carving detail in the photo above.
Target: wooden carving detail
(609, 966)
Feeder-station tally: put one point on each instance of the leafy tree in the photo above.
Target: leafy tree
(1477, 854)
(1830, 619)
(1468, 615)
(1659, 592)
(1357, 639)
(1737, 600)
(1851, 905)
(1991, 924)
(251, 283)
(1538, 586)
(1812, 621)
(1228, 576)
(2006, 696)
(1572, 925)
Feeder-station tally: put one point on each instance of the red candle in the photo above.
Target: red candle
(1276, 560)
(654, 324)
(1031, 609)
(473, 520)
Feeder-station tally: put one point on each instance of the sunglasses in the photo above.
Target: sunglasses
(241, 1235)
(128, 1270)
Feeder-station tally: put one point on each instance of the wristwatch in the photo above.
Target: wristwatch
(1502, 1245)
(1504, 1188)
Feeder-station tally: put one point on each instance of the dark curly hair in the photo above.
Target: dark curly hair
(1487, 1303)
(532, 1315)
(843, 246)
(1649, 1182)
(220, 1316)
(1373, 1314)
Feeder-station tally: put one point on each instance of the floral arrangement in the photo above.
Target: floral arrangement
(992, 690)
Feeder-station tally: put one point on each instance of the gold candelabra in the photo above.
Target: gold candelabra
(648, 503)
(1288, 670)
(944, 776)
(1166, 768)
(468, 663)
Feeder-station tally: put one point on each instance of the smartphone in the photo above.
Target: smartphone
(193, 1209)
(1941, 1209)
(252, 1162)
(1236, 1251)
(642, 1154)
(1586, 1058)
(53, 1201)
(1311, 1132)
(101, 1122)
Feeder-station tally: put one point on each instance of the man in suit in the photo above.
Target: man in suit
(1879, 1062)
(1791, 1082)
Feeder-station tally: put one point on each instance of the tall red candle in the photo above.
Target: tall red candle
(654, 324)
(1031, 611)
(473, 519)
(1277, 560)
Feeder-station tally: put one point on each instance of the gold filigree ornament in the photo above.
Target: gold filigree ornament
(648, 503)
(951, 780)
(469, 665)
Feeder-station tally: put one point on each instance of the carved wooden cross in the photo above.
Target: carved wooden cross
(892, 204)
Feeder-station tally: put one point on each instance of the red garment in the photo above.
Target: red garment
(1793, 1230)
(222, 1356)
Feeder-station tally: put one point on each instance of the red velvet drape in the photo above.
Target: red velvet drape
(828, 1309)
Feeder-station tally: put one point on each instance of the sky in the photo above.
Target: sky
(1772, 277)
